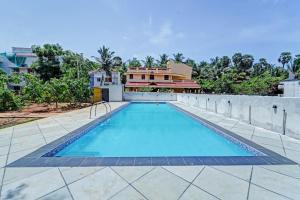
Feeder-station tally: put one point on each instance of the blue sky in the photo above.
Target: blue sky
(135, 28)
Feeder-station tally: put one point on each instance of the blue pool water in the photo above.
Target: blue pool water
(151, 130)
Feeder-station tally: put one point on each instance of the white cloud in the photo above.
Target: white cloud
(165, 35)
(125, 37)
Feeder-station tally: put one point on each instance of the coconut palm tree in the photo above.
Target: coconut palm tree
(106, 58)
(178, 57)
(134, 63)
(149, 61)
(163, 59)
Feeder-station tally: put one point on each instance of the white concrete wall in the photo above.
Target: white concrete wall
(149, 96)
(262, 112)
(115, 92)
(257, 110)
(291, 88)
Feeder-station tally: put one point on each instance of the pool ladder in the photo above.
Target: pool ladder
(105, 103)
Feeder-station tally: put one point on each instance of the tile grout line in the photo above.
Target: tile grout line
(234, 124)
(4, 171)
(61, 125)
(163, 167)
(248, 192)
(50, 192)
(132, 181)
(86, 175)
(279, 172)
(127, 186)
(41, 132)
(230, 173)
(130, 184)
(282, 145)
(206, 191)
(272, 191)
(267, 188)
(190, 183)
(65, 183)
(252, 133)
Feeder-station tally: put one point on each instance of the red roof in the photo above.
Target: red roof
(188, 84)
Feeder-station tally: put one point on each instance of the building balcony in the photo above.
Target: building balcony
(149, 70)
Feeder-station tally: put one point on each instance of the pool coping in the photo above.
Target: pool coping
(43, 157)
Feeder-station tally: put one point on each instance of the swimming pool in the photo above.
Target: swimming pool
(145, 133)
(152, 130)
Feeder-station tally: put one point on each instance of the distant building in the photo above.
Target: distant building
(108, 86)
(176, 76)
(18, 61)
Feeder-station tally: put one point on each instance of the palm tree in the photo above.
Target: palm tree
(149, 61)
(134, 63)
(105, 59)
(117, 61)
(178, 57)
(162, 62)
(284, 58)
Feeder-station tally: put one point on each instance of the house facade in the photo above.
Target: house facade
(176, 76)
(18, 60)
(106, 87)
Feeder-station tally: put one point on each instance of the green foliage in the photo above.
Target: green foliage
(243, 77)
(145, 89)
(134, 63)
(106, 58)
(56, 91)
(78, 90)
(8, 100)
(33, 90)
(149, 61)
(285, 58)
(163, 59)
(264, 84)
(117, 61)
(15, 78)
(76, 66)
(48, 64)
(122, 69)
(178, 57)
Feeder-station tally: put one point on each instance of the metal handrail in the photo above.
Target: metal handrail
(100, 102)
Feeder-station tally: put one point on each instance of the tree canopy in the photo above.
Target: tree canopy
(62, 75)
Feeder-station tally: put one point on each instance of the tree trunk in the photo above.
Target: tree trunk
(56, 105)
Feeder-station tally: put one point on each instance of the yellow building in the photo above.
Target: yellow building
(176, 76)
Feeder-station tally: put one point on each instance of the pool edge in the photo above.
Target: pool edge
(39, 157)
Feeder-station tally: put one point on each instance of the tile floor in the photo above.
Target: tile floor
(145, 182)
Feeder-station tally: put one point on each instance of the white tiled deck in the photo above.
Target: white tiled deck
(162, 182)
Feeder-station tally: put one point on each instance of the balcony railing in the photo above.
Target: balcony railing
(148, 70)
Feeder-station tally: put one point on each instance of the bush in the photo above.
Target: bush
(9, 101)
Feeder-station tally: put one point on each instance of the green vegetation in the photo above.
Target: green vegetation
(8, 100)
(62, 76)
(59, 76)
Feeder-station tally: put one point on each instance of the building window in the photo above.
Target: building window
(166, 77)
(98, 79)
(143, 76)
(151, 77)
(130, 76)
